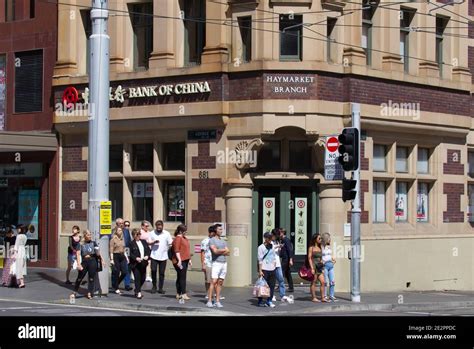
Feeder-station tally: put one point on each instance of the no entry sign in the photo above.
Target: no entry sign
(332, 144)
(332, 168)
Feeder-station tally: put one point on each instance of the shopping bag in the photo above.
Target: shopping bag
(261, 288)
(305, 273)
(74, 265)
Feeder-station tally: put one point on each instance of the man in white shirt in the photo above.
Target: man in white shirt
(160, 241)
(206, 258)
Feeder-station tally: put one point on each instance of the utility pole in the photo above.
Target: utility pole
(98, 175)
(355, 215)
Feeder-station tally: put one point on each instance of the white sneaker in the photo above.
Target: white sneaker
(207, 297)
(271, 305)
(284, 299)
(274, 299)
(148, 279)
(209, 305)
(222, 298)
(219, 305)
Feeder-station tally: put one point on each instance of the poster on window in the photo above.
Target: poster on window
(301, 225)
(176, 201)
(401, 202)
(149, 190)
(268, 215)
(422, 203)
(138, 190)
(28, 212)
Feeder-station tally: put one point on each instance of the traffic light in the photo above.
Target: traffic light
(348, 189)
(349, 149)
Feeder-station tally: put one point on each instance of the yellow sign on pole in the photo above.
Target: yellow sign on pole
(105, 217)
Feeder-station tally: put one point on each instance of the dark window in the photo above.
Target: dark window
(331, 45)
(142, 201)
(441, 23)
(174, 201)
(32, 8)
(29, 81)
(173, 156)
(142, 157)
(368, 10)
(269, 156)
(405, 21)
(300, 156)
(291, 40)
(245, 26)
(116, 197)
(116, 158)
(87, 25)
(142, 23)
(194, 30)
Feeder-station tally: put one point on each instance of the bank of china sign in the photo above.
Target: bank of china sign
(119, 93)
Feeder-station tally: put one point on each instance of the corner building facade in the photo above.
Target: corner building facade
(219, 114)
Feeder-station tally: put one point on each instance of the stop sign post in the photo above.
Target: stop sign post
(332, 144)
(332, 169)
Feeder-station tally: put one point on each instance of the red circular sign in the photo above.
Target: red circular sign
(268, 204)
(300, 203)
(332, 144)
(70, 96)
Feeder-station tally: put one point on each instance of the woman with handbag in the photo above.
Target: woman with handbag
(139, 258)
(74, 246)
(267, 268)
(88, 259)
(315, 261)
(19, 256)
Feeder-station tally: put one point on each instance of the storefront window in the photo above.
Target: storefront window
(174, 200)
(142, 201)
(401, 202)
(173, 156)
(422, 202)
(142, 157)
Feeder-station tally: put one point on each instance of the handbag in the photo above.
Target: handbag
(305, 273)
(99, 264)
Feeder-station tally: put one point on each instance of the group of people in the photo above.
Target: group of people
(275, 259)
(143, 254)
(15, 257)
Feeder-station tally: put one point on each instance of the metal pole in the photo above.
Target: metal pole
(98, 186)
(355, 217)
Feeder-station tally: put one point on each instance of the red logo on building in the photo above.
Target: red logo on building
(70, 96)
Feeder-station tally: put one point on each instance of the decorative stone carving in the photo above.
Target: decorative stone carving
(246, 155)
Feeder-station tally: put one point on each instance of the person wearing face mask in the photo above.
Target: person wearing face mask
(118, 259)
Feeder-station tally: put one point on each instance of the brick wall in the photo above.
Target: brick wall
(72, 159)
(453, 192)
(208, 190)
(453, 167)
(364, 215)
(72, 190)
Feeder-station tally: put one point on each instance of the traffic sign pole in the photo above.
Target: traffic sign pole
(355, 217)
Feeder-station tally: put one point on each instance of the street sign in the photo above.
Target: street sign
(202, 135)
(105, 217)
(332, 144)
(333, 170)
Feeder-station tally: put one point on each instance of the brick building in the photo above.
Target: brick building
(219, 113)
(28, 145)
